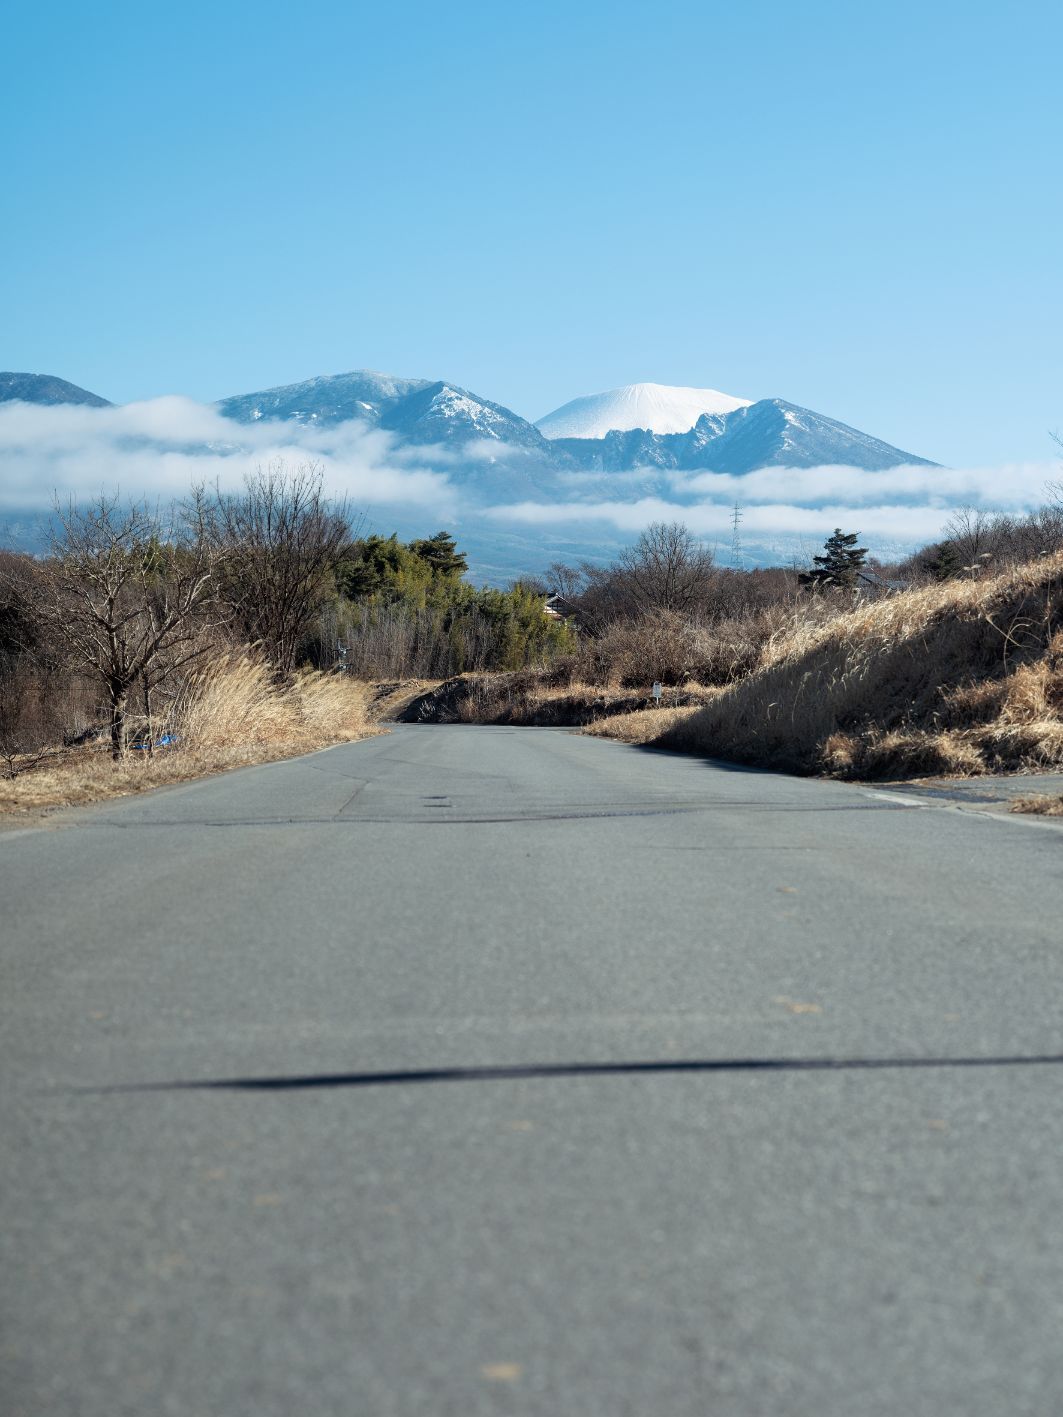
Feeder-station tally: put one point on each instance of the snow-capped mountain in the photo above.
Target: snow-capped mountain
(45, 389)
(489, 457)
(417, 410)
(658, 408)
(330, 398)
(769, 433)
(443, 413)
(711, 432)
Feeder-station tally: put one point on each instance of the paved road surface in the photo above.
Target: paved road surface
(315, 1096)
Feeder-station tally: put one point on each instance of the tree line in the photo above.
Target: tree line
(129, 599)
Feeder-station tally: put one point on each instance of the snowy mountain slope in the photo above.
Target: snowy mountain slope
(443, 413)
(45, 389)
(769, 433)
(773, 433)
(417, 410)
(329, 398)
(658, 408)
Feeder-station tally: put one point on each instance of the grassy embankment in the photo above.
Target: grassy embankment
(960, 678)
(229, 715)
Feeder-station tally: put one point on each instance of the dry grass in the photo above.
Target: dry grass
(535, 699)
(961, 678)
(643, 726)
(390, 700)
(230, 715)
(1039, 804)
(238, 701)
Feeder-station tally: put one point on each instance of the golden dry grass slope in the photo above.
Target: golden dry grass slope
(960, 678)
(230, 714)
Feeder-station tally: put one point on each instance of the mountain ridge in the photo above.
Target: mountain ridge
(768, 433)
(46, 389)
(765, 433)
(424, 412)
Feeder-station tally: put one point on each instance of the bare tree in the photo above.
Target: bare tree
(120, 593)
(668, 568)
(569, 582)
(977, 535)
(281, 538)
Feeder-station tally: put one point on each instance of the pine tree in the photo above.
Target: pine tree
(945, 561)
(840, 564)
(441, 554)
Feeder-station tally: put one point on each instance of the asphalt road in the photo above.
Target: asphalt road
(502, 1071)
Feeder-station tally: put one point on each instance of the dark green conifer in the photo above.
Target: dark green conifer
(839, 566)
(944, 562)
(441, 553)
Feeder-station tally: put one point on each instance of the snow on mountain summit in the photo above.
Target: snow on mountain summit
(661, 408)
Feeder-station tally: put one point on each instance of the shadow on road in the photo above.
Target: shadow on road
(561, 1070)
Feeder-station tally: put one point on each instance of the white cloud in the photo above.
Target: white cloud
(885, 522)
(901, 506)
(1011, 486)
(162, 446)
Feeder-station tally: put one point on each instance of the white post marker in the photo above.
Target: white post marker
(657, 690)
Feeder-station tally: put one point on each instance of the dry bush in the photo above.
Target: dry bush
(677, 649)
(961, 677)
(661, 645)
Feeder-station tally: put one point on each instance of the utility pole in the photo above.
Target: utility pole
(736, 540)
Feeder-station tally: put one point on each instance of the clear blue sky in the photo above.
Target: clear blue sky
(859, 208)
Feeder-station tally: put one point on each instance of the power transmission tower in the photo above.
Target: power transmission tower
(736, 540)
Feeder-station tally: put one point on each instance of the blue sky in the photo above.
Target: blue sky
(856, 208)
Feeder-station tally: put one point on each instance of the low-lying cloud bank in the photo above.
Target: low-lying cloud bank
(891, 523)
(161, 447)
(1012, 486)
(900, 506)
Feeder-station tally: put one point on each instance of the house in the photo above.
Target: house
(555, 607)
(871, 580)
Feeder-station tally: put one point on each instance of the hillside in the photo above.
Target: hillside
(45, 389)
(964, 677)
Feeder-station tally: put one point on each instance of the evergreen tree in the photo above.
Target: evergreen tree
(404, 607)
(944, 562)
(840, 564)
(441, 554)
